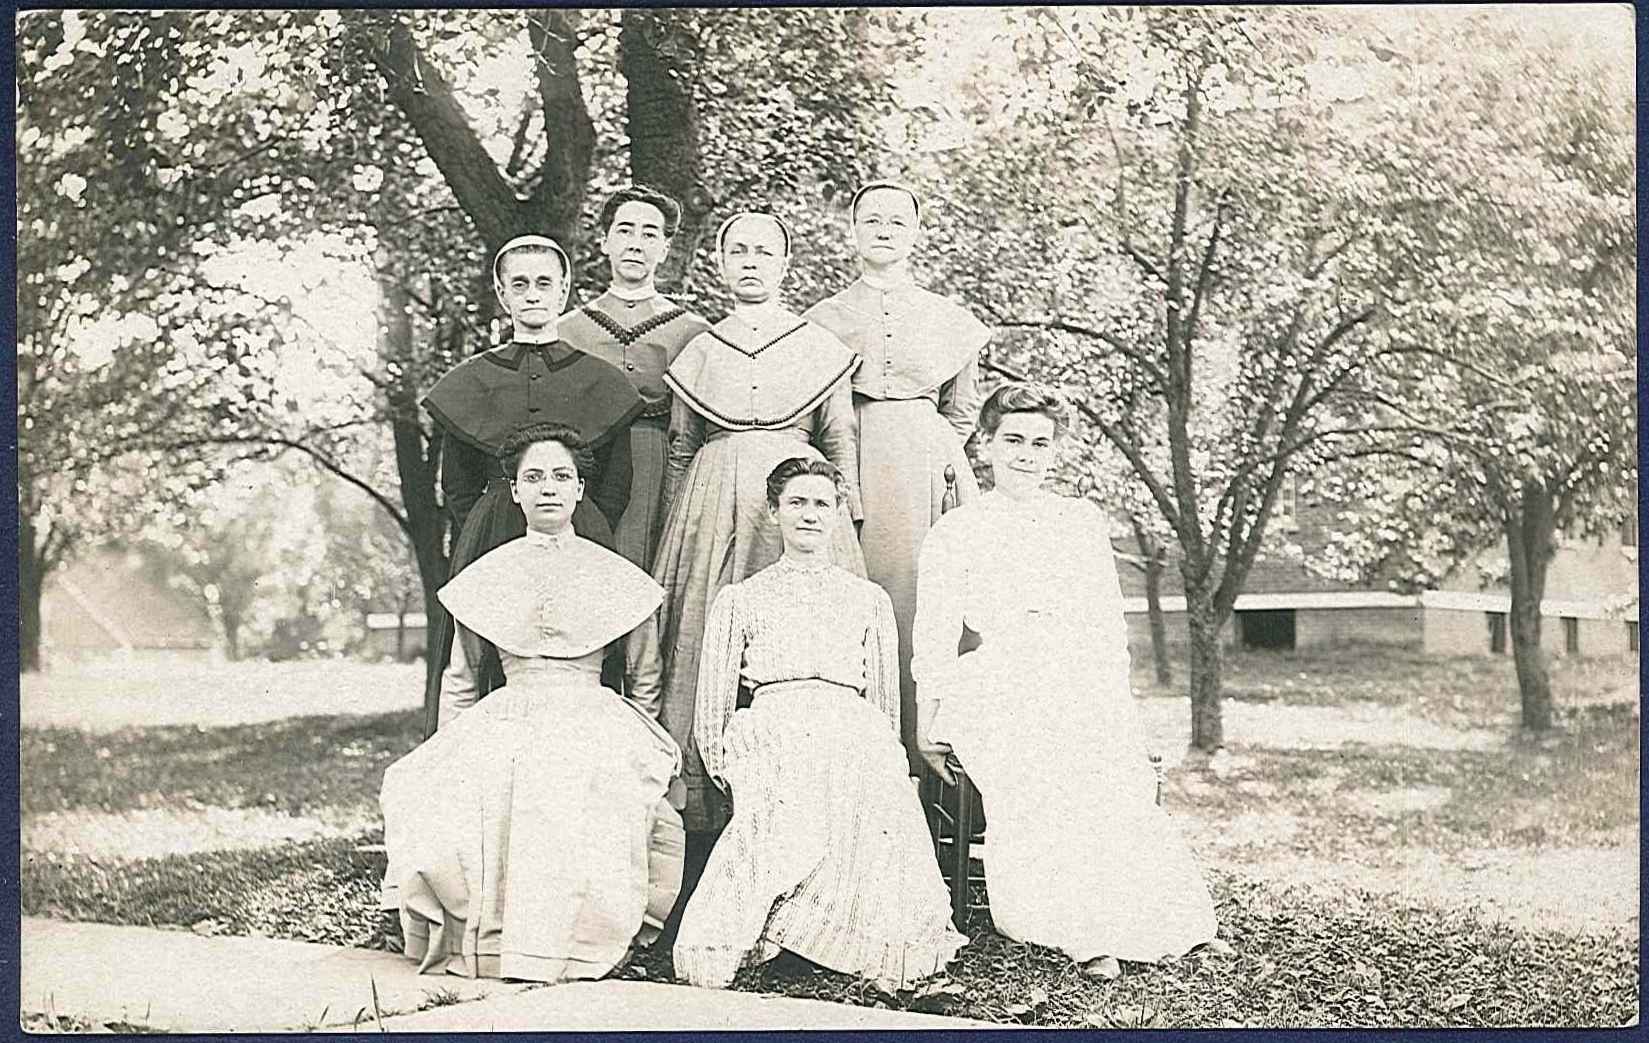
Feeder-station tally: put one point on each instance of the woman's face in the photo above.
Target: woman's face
(753, 259)
(1021, 452)
(529, 289)
(547, 486)
(635, 243)
(884, 226)
(806, 514)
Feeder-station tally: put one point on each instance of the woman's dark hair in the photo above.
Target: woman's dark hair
(1015, 397)
(797, 467)
(642, 194)
(517, 444)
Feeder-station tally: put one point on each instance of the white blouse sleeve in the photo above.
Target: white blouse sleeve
(720, 661)
(941, 585)
(882, 658)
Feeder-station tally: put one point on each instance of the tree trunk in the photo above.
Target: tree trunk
(231, 623)
(31, 578)
(1155, 558)
(1207, 730)
(401, 628)
(659, 52)
(417, 452)
(1530, 544)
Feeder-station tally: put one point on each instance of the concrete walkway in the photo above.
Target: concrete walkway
(180, 982)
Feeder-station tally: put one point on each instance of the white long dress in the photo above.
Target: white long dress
(826, 853)
(1078, 855)
(530, 837)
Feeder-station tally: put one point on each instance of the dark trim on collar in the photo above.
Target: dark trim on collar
(741, 349)
(627, 335)
(511, 356)
(704, 409)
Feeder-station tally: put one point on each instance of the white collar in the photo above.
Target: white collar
(896, 279)
(543, 336)
(557, 540)
(643, 293)
(758, 315)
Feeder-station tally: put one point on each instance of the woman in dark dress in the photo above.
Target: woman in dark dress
(640, 331)
(480, 402)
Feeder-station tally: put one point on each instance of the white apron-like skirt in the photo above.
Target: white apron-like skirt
(530, 838)
(1078, 856)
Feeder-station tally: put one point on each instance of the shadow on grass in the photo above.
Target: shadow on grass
(293, 765)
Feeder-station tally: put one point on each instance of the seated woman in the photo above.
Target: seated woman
(530, 837)
(1041, 714)
(826, 853)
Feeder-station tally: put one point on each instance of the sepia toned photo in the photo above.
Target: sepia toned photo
(830, 518)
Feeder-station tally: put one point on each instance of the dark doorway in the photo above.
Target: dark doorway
(1497, 632)
(1267, 628)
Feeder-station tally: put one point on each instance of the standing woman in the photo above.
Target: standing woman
(530, 838)
(1041, 715)
(759, 387)
(481, 401)
(916, 398)
(827, 854)
(637, 329)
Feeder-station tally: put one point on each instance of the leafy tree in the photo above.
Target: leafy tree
(1178, 215)
(1522, 331)
(413, 142)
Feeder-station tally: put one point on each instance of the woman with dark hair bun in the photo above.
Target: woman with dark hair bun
(531, 836)
(826, 854)
(640, 331)
(1041, 715)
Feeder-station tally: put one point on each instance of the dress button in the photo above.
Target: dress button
(630, 366)
(534, 376)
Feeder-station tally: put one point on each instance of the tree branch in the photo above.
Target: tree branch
(324, 461)
(1120, 346)
(1135, 458)
(425, 96)
(560, 194)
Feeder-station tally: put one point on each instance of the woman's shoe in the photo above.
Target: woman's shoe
(1104, 967)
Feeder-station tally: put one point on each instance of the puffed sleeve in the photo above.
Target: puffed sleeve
(687, 432)
(959, 400)
(718, 691)
(882, 658)
(940, 588)
(836, 433)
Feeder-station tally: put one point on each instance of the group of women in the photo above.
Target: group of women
(705, 578)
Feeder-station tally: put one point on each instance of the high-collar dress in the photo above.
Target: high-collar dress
(827, 853)
(916, 399)
(746, 399)
(641, 338)
(531, 836)
(1079, 857)
(477, 405)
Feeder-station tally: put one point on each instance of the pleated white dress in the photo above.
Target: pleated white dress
(531, 837)
(1078, 856)
(827, 853)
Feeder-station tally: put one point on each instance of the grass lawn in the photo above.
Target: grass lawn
(1300, 834)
